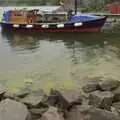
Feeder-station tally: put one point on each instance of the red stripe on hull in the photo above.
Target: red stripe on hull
(60, 30)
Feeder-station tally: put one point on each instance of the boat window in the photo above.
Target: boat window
(51, 17)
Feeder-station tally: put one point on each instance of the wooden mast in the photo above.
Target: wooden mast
(75, 7)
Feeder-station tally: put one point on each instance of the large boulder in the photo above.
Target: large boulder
(90, 113)
(52, 114)
(101, 99)
(12, 110)
(108, 84)
(34, 99)
(67, 98)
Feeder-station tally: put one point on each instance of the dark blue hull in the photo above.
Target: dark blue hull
(88, 26)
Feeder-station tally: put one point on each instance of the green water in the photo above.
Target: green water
(62, 61)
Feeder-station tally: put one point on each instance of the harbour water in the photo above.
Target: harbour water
(44, 61)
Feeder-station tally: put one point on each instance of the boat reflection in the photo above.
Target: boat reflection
(21, 41)
(31, 41)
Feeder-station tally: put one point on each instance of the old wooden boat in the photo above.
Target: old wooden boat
(56, 21)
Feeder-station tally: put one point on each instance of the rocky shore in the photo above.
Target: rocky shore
(99, 99)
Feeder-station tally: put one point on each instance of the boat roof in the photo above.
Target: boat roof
(44, 8)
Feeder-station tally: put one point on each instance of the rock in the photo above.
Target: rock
(101, 99)
(90, 87)
(17, 95)
(116, 93)
(52, 114)
(52, 100)
(90, 113)
(12, 110)
(11, 96)
(116, 108)
(23, 93)
(37, 112)
(67, 98)
(2, 91)
(28, 81)
(34, 99)
(108, 84)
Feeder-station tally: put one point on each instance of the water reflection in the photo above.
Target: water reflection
(90, 44)
(73, 41)
(21, 42)
(17, 39)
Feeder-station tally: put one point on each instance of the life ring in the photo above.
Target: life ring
(30, 20)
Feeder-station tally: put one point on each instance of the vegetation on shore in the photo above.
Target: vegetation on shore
(91, 3)
(27, 2)
(84, 5)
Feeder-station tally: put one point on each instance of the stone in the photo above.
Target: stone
(2, 91)
(116, 93)
(22, 93)
(116, 108)
(101, 99)
(16, 96)
(52, 114)
(87, 112)
(90, 87)
(67, 98)
(52, 100)
(12, 110)
(11, 95)
(34, 99)
(36, 113)
(109, 84)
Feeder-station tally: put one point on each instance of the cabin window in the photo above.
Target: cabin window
(17, 13)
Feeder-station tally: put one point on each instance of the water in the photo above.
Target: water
(57, 60)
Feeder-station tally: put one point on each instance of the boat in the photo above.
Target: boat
(36, 21)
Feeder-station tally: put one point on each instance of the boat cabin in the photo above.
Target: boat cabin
(33, 16)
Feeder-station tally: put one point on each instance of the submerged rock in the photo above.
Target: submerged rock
(52, 114)
(12, 110)
(108, 84)
(11, 95)
(101, 99)
(67, 98)
(34, 99)
(90, 113)
(18, 95)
